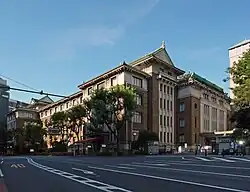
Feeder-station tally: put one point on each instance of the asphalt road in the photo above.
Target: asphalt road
(117, 174)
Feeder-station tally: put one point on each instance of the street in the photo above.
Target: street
(125, 174)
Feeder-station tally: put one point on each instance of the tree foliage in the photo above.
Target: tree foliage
(58, 121)
(146, 136)
(75, 117)
(112, 108)
(240, 73)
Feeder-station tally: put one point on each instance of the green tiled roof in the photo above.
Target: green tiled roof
(206, 82)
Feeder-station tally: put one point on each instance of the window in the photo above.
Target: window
(160, 136)
(67, 105)
(113, 81)
(137, 117)
(171, 91)
(164, 90)
(138, 99)
(171, 106)
(167, 137)
(168, 105)
(164, 137)
(164, 104)
(182, 138)
(168, 90)
(164, 120)
(101, 85)
(90, 90)
(46, 113)
(205, 96)
(61, 107)
(195, 122)
(169, 73)
(74, 102)
(50, 111)
(55, 109)
(182, 107)
(167, 120)
(160, 119)
(171, 137)
(214, 99)
(137, 82)
(80, 99)
(195, 106)
(160, 103)
(160, 87)
(221, 102)
(182, 123)
(171, 121)
(41, 115)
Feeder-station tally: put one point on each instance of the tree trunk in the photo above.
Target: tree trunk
(117, 143)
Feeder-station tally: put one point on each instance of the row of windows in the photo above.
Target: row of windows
(166, 89)
(66, 106)
(163, 104)
(166, 120)
(166, 138)
(213, 99)
(182, 106)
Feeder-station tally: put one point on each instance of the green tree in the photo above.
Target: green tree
(113, 107)
(75, 117)
(59, 121)
(144, 137)
(240, 73)
(34, 135)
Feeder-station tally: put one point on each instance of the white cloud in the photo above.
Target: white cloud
(69, 42)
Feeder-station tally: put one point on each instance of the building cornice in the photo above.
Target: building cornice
(112, 72)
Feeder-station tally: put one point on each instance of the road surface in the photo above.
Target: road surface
(125, 174)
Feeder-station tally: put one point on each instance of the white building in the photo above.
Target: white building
(235, 52)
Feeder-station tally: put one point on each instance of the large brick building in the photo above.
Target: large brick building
(155, 78)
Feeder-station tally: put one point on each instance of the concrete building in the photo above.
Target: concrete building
(13, 104)
(202, 109)
(20, 115)
(160, 93)
(4, 101)
(235, 52)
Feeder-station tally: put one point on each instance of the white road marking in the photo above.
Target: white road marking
(1, 173)
(120, 167)
(169, 179)
(21, 165)
(152, 164)
(221, 159)
(83, 180)
(193, 171)
(1, 162)
(203, 159)
(240, 159)
(201, 165)
(84, 171)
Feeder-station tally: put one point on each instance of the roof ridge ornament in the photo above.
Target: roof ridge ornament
(163, 44)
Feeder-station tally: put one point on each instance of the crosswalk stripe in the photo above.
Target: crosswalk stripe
(203, 159)
(240, 159)
(226, 160)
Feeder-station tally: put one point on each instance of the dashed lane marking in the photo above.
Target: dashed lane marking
(170, 179)
(240, 159)
(221, 159)
(84, 171)
(120, 167)
(1, 173)
(203, 159)
(83, 180)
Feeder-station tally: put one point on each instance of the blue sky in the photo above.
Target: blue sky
(55, 45)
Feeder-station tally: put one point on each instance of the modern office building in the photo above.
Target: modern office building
(235, 52)
(160, 93)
